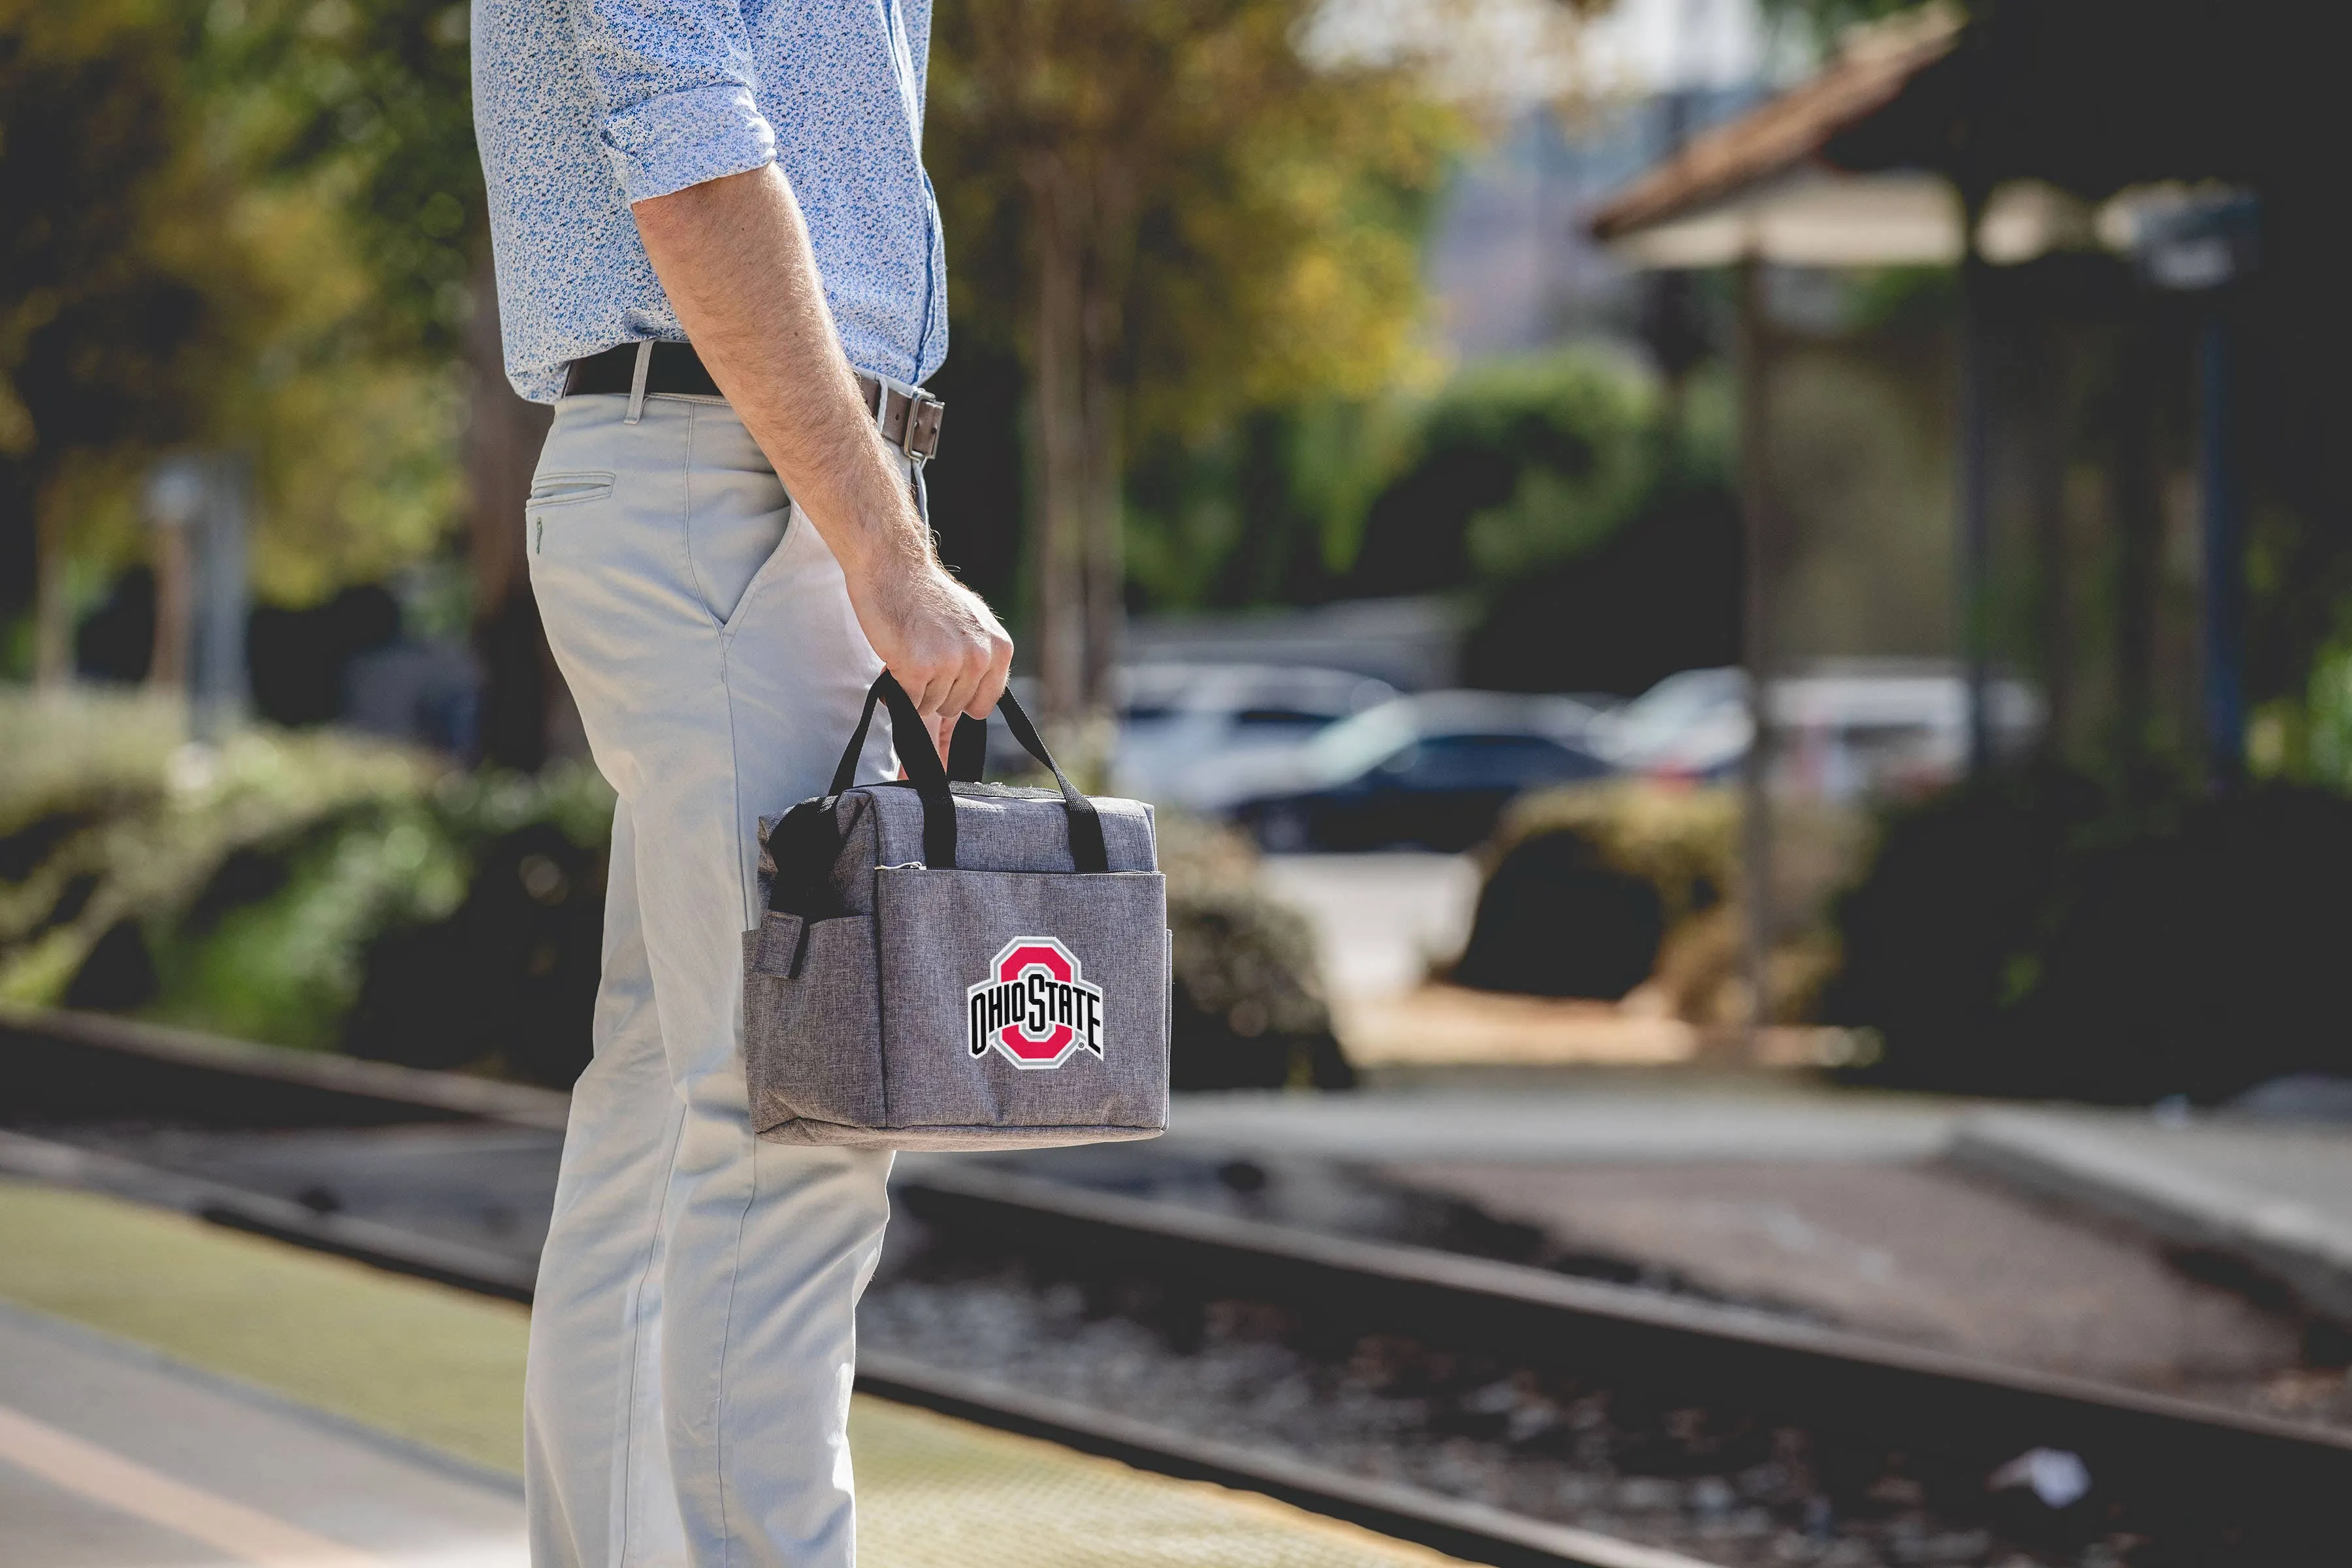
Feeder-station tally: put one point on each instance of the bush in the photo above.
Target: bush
(112, 828)
(2035, 939)
(1248, 1010)
(1683, 842)
(279, 888)
(1936, 937)
(1595, 889)
(1584, 884)
(324, 891)
(1518, 463)
(1556, 920)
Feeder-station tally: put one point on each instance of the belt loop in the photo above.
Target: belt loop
(637, 381)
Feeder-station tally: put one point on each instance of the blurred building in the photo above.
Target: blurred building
(1511, 258)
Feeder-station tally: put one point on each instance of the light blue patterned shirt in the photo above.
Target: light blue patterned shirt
(581, 107)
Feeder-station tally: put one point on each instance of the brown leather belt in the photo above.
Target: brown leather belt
(909, 422)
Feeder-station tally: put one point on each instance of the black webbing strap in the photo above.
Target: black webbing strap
(1086, 851)
(968, 750)
(921, 761)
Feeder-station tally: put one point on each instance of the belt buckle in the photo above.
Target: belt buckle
(916, 399)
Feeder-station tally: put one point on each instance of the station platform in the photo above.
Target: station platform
(2277, 1196)
(174, 1393)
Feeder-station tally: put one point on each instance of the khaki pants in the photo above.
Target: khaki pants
(693, 1338)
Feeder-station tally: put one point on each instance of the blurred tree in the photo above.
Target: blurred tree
(372, 94)
(100, 320)
(1822, 20)
(1174, 215)
(1519, 463)
(155, 292)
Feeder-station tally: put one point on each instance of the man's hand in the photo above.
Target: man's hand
(939, 637)
(733, 255)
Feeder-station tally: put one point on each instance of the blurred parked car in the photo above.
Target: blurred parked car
(1433, 770)
(1691, 725)
(1178, 720)
(1846, 731)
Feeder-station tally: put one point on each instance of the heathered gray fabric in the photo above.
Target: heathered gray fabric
(827, 1020)
(882, 825)
(865, 1043)
(940, 930)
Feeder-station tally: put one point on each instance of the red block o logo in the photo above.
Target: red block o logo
(1035, 1008)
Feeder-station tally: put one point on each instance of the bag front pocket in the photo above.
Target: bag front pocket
(812, 1034)
(1020, 999)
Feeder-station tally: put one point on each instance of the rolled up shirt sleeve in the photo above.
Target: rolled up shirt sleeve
(673, 80)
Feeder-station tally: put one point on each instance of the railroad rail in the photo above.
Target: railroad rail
(2158, 1454)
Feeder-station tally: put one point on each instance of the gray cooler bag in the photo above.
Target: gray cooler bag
(951, 964)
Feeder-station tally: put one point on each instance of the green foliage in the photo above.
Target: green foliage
(179, 276)
(2307, 738)
(1186, 233)
(1582, 433)
(1267, 509)
(1522, 463)
(253, 879)
(1273, 208)
(1823, 21)
(1248, 1006)
(1511, 467)
(111, 816)
(371, 98)
(2042, 937)
(106, 312)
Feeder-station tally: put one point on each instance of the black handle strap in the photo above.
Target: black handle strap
(1086, 851)
(968, 750)
(921, 761)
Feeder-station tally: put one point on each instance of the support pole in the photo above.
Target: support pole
(2046, 367)
(1753, 351)
(217, 688)
(2222, 485)
(1975, 497)
(2139, 528)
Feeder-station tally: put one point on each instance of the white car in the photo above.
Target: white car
(1182, 724)
(1846, 731)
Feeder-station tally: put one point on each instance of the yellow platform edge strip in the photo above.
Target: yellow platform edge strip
(444, 1368)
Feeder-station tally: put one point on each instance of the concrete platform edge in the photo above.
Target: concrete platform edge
(2291, 1243)
(392, 1444)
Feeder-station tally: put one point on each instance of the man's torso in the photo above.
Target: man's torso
(840, 81)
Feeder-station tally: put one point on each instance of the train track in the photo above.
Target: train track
(2157, 1457)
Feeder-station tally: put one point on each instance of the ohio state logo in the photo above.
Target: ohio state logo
(1034, 1006)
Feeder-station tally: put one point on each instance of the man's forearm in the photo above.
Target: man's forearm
(733, 255)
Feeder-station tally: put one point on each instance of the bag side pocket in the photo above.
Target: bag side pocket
(813, 1034)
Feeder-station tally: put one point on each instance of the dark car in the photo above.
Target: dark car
(1433, 770)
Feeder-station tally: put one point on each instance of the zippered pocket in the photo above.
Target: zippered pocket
(562, 489)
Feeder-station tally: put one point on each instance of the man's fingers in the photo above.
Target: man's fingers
(963, 697)
(922, 689)
(942, 729)
(991, 685)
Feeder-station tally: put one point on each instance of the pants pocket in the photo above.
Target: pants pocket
(564, 490)
(551, 491)
(731, 616)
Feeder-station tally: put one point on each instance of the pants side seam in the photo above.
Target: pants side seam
(625, 1512)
